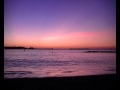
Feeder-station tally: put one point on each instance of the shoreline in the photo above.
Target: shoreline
(102, 82)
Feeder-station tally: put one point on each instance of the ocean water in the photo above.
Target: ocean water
(56, 63)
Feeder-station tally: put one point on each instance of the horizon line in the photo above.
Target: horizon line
(72, 48)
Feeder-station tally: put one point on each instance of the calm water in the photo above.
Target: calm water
(56, 63)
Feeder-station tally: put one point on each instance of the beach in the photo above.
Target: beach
(62, 69)
(91, 82)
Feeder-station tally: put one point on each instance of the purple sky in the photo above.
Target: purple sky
(60, 23)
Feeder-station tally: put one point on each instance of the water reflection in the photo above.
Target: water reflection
(60, 63)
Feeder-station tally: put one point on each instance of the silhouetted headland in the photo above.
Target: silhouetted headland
(19, 47)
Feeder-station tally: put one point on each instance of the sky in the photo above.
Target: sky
(60, 23)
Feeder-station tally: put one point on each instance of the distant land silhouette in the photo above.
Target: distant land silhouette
(19, 47)
(79, 49)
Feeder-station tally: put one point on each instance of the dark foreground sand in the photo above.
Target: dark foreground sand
(95, 82)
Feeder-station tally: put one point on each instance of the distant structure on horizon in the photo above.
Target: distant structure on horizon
(31, 48)
(19, 47)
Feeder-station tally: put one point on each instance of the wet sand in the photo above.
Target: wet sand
(93, 82)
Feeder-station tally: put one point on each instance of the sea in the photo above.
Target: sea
(35, 63)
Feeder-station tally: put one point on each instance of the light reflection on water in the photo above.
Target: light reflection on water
(49, 63)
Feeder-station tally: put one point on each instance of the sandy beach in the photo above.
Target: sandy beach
(96, 82)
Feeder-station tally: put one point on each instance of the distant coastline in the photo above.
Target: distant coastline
(79, 49)
(19, 47)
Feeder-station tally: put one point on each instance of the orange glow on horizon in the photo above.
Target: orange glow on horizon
(70, 40)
